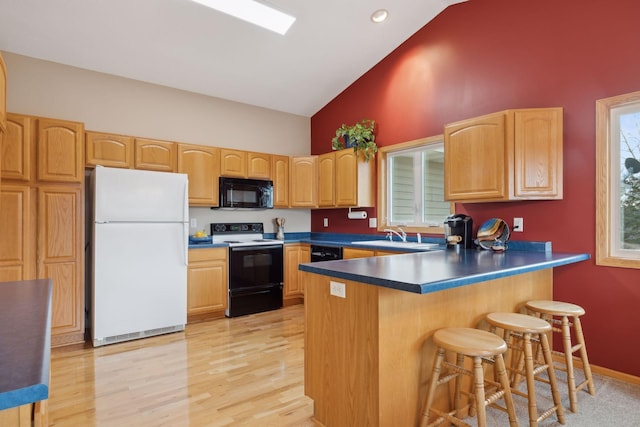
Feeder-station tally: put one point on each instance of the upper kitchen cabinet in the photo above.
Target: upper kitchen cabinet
(303, 182)
(345, 180)
(355, 180)
(107, 149)
(18, 149)
(510, 155)
(3, 95)
(259, 165)
(233, 163)
(280, 176)
(60, 151)
(155, 155)
(202, 165)
(326, 180)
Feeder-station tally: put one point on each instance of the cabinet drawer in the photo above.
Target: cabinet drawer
(207, 254)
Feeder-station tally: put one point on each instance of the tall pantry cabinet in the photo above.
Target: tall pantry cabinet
(41, 219)
(3, 107)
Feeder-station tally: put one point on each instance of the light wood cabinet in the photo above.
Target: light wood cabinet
(280, 176)
(350, 253)
(3, 94)
(233, 163)
(207, 283)
(294, 254)
(60, 247)
(326, 180)
(60, 151)
(155, 155)
(258, 165)
(108, 149)
(18, 149)
(202, 165)
(354, 180)
(303, 182)
(510, 155)
(17, 228)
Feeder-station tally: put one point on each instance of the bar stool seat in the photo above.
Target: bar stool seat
(478, 345)
(520, 332)
(549, 310)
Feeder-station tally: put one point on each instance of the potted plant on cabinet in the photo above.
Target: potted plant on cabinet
(359, 136)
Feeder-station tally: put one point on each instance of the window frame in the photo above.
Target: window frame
(383, 153)
(607, 177)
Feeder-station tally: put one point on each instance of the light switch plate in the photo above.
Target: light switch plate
(194, 222)
(325, 222)
(373, 222)
(338, 289)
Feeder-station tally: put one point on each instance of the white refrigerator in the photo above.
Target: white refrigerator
(139, 263)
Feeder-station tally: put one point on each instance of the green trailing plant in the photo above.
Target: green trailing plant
(361, 136)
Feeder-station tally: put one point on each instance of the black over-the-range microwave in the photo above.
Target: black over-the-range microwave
(246, 193)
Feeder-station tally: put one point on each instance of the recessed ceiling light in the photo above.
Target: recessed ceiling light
(253, 12)
(379, 15)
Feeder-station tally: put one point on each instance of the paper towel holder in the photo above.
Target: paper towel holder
(357, 214)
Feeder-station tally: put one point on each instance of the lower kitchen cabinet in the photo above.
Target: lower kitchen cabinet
(294, 254)
(207, 283)
(350, 253)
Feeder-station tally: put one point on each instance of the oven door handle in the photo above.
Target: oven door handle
(254, 248)
(255, 290)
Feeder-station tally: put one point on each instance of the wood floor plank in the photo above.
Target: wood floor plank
(246, 371)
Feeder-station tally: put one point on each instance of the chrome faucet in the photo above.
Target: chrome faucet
(402, 235)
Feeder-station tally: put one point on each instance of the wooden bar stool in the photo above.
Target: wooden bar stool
(519, 332)
(549, 310)
(478, 345)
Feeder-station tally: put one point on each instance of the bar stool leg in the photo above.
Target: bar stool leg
(583, 355)
(504, 382)
(548, 360)
(433, 383)
(458, 388)
(478, 378)
(531, 386)
(568, 359)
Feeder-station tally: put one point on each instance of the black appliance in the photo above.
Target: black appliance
(325, 253)
(256, 268)
(246, 193)
(458, 231)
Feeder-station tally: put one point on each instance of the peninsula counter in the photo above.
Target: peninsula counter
(368, 355)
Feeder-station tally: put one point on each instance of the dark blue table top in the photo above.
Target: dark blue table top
(25, 341)
(434, 271)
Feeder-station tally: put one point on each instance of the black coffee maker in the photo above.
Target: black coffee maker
(458, 229)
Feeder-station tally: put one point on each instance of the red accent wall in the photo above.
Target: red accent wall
(484, 56)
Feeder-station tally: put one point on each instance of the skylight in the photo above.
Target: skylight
(253, 12)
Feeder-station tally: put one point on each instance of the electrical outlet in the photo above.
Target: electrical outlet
(194, 223)
(518, 224)
(325, 222)
(338, 289)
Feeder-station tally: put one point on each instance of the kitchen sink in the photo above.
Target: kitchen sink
(397, 244)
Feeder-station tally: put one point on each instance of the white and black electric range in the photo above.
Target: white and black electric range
(256, 268)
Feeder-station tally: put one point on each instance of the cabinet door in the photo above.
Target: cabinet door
(155, 155)
(202, 165)
(303, 182)
(18, 149)
(107, 149)
(60, 151)
(280, 176)
(207, 281)
(326, 180)
(350, 253)
(476, 159)
(233, 163)
(305, 257)
(259, 165)
(17, 228)
(3, 94)
(538, 153)
(355, 180)
(60, 257)
(292, 284)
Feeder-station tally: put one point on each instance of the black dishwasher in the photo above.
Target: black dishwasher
(325, 253)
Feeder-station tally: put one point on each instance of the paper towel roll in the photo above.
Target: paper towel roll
(357, 215)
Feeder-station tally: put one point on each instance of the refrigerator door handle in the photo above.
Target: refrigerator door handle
(185, 236)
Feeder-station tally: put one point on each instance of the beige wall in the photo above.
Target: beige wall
(114, 104)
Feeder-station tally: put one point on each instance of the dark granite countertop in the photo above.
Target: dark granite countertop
(434, 271)
(25, 342)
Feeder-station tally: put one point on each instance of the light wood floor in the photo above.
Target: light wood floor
(246, 371)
